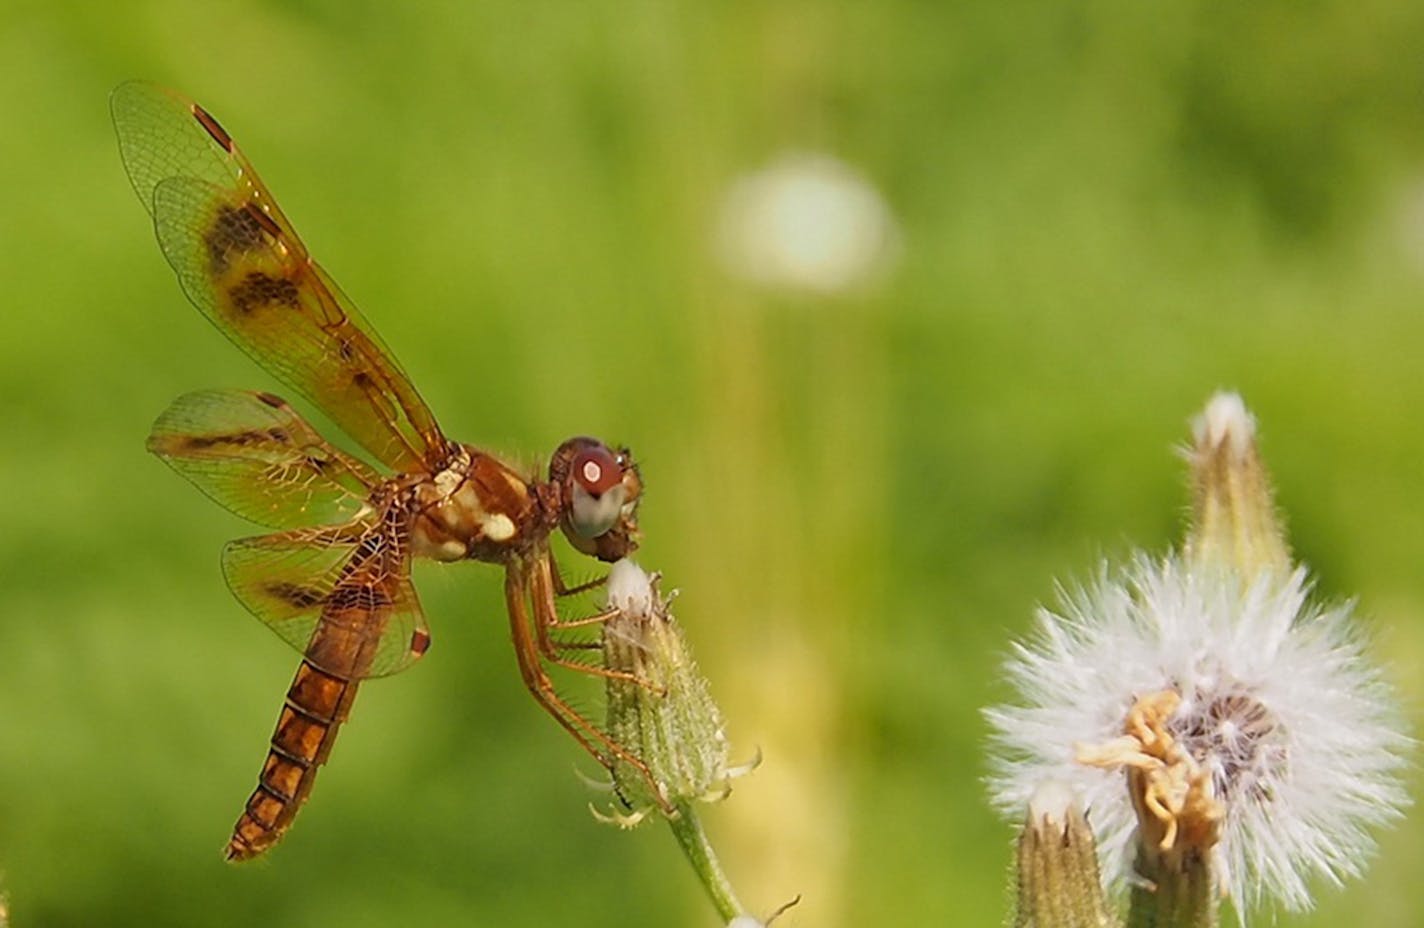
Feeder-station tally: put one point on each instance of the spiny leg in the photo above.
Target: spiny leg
(560, 589)
(546, 618)
(560, 624)
(576, 645)
(598, 618)
(526, 651)
(538, 683)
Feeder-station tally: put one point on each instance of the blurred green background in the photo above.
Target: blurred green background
(1105, 211)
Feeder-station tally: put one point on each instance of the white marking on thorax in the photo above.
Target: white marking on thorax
(448, 481)
(497, 526)
(452, 549)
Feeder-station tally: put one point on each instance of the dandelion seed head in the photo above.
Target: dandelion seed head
(1276, 703)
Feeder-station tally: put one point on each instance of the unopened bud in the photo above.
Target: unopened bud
(1058, 884)
(1234, 521)
(662, 712)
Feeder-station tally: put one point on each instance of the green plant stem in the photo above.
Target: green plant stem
(1180, 896)
(687, 828)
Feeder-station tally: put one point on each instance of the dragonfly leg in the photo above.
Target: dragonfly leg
(546, 619)
(598, 618)
(561, 646)
(593, 739)
(561, 589)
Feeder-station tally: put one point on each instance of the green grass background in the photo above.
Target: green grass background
(1108, 210)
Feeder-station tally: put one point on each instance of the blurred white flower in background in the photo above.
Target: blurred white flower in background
(806, 222)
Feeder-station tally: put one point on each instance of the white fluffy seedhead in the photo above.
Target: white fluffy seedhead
(1278, 703)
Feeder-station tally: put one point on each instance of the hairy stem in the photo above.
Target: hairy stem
(687, 828)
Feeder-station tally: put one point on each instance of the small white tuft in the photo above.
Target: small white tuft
(630, 588)
(1050, 803)
(1225, 421)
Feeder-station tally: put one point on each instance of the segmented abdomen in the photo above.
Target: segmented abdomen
(317, 703)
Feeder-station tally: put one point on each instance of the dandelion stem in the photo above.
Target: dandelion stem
(1178, 895)
(687, 828)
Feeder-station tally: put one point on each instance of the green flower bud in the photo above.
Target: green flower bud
(1057, 864)
(665, 715)
(1234, 521)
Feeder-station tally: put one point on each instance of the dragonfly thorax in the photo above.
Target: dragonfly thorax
(476, 507)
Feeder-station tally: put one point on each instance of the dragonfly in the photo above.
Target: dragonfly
(333, 578)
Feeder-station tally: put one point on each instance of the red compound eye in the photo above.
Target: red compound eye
(597, 470)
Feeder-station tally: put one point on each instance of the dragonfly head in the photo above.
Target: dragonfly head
(599, 487)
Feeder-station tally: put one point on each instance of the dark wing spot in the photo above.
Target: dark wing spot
(234, 231)
(202, 442)
(276, 402)
(419, 642)
(294, 594)
(258, 290)
(379, 400)
(213, 127)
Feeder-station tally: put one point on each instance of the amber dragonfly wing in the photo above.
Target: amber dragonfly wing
(243, 266)
(251, 453)
(340, 595)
